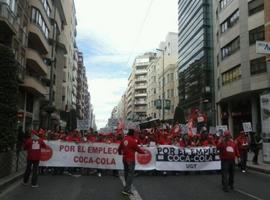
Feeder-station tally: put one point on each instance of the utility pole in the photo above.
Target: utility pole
(163, 86)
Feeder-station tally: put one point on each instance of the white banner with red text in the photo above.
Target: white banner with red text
(105, 156)
(92, 155)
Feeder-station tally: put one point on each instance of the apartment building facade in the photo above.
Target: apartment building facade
(83, 97)
(241, 75)
(137, 88)
(195, 58)
(14, 19)
(167, 73)
(42, 35)
(47, 23)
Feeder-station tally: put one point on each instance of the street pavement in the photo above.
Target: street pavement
(248, 186)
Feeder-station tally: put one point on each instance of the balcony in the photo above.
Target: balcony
(140, 109)
(34, 86)
(140, 79)
(140, 94)
(8, 22)
(140, 102)
(144, 71)
(141, 86)
(35, 62)
(37, 39)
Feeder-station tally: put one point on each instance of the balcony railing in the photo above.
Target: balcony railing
(140, 109)
(140, 79)
(140, 102)
(144, 71)
(140, 86)
(140, 94)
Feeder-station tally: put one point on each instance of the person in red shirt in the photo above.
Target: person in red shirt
(33, 147)
(228, 152)
(242, 142)
(127, 148)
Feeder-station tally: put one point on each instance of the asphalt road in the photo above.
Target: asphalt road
(147, 187)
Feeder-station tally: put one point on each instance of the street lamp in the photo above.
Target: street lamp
(163, 94)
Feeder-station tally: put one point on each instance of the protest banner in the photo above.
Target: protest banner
(221, 129)
(105, 156)
(172, 158)
(247, 127)
(92, 155)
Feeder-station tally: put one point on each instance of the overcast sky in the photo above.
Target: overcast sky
(110, 34)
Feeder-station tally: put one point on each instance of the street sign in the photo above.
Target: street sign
(262, 47)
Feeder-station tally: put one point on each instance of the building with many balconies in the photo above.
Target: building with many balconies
(42, 34)
(137, 87)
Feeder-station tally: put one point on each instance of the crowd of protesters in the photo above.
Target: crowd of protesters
(153, 136)
(193, 134)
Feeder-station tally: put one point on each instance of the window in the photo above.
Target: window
(231, 75)
(29, 102)
(37, 18)
(230, 48)
(172, 77)
(230, 22)
(10, 3)
(258, 66)
(224, 3)
(255, 6)
(46, 7)
(256, 34)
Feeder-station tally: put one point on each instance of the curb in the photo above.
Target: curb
(7, 181)
(265, 171)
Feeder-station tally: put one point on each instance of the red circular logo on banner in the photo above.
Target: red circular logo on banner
(145, 158)
(46, 154)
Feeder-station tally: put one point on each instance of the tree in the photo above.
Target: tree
(8, 98)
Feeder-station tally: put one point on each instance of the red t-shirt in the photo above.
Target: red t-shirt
(33, 148)
(242, 143)
(228, 150)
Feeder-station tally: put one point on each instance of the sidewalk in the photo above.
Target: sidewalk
(261, 167)
(8, 180)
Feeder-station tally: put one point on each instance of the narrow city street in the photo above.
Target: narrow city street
(251, 185)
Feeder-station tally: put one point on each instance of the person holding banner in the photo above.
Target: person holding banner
(33, 147)
(127, 148)
(228, 152)
(242, 142)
